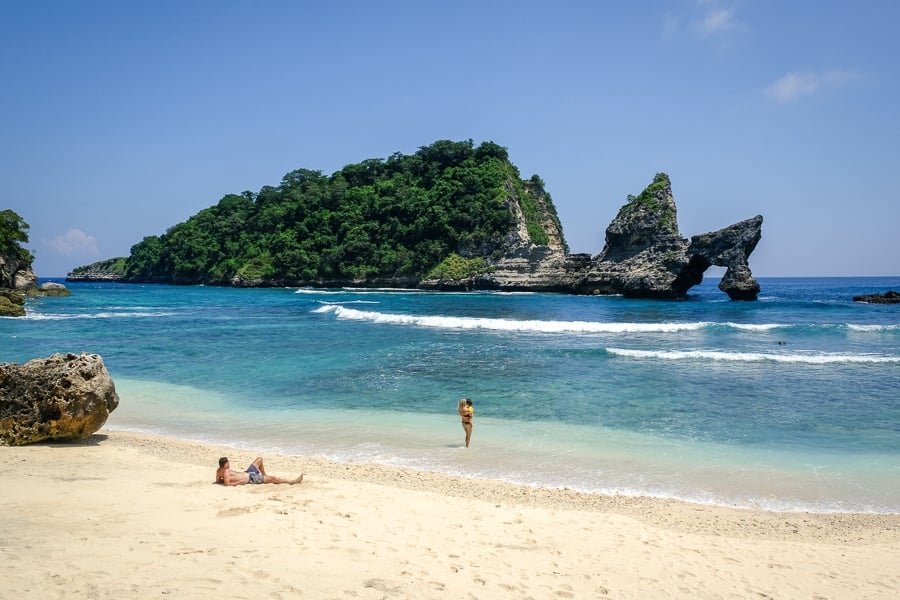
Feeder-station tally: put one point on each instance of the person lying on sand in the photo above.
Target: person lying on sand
(255, 473)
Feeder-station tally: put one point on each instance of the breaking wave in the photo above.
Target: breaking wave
(813, 359)
(480, 323)
(867, 328)
(444, 322)
(99, 315)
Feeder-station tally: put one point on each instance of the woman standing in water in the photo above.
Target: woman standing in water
(467, 413)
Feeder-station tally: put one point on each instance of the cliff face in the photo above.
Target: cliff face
(520, 262)
(16, 280)
(644, 256)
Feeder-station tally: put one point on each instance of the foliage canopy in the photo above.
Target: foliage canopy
(14, 233)
(395, 218)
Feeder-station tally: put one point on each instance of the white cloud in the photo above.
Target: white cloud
(794, 85)
(717, 20)
(705, 18)
(73, 242)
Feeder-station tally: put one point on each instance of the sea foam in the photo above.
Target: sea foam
(99, 315)
(446, 322)
(813, 359)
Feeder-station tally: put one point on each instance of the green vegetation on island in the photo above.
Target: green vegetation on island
(439, 213)
(112, 269)
(650, 200)
(14, 233)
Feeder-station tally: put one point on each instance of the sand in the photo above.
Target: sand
(137, 516)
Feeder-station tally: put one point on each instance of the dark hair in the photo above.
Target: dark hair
(223, 461)
(468, 402)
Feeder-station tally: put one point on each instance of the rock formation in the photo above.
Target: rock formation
(16, 280)
(890, 297)
(63, 397)
(645, 256)
(52, 288)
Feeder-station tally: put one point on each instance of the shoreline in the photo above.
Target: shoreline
(863, 526)
(129, 515)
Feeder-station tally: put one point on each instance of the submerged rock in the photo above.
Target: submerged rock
(63, 397)
(890, 297)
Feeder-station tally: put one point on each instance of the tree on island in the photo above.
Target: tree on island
(13, 233)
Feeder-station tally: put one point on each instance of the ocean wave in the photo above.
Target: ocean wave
(755, 326)
(99, 315)
(808, 326)
(358, 290)
(869, 328)
(812, 359)
(445, 322)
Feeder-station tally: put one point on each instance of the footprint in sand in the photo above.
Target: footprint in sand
(382, 586)
(233, 512)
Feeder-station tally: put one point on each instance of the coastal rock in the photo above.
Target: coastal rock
(16, 280)
(644, 256)
(739, 284)
(51, 288)
(63, 397)
(728, 247)
(890, 297)
(644, 251)
(12, 303)
(16, 273)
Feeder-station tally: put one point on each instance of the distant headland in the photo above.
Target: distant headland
(451, 216)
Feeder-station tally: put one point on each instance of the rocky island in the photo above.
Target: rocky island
(112, 269)
(451, 216)
(17, 279)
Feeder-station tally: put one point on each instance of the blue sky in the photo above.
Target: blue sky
(121, 119)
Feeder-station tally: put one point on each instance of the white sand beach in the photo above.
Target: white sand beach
(137, 516)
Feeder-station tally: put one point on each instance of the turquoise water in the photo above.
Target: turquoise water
(792, 402)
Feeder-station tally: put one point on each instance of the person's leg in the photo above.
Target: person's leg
(273, 479)
(258, 463)
(468, 428)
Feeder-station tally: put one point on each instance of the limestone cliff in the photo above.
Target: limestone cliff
(644, 256)
(16, 280)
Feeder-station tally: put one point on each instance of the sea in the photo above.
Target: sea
(789, 403)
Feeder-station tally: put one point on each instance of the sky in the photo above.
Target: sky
(121, 119)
